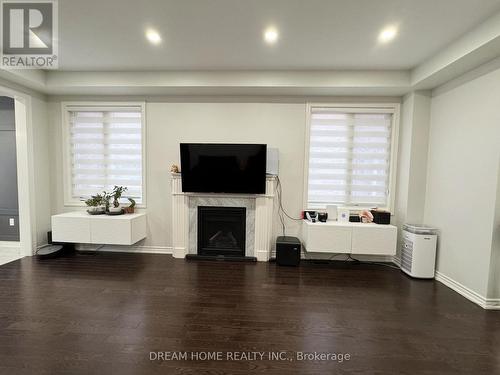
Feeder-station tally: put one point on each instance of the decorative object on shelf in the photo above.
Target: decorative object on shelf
(106, 197)
(322, 217)
(174, 168)
(331, 210)
(100, 203)
(116, 195)
(343, 214)
(311, 216)
(120, 211)
(366, 216)
(130, 209)
(381, 216)
(96, 204)
(95, 211)
(354, 218)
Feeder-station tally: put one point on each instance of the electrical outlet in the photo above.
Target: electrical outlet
(12, 222)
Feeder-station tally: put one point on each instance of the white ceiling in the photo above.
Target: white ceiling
(98, 35)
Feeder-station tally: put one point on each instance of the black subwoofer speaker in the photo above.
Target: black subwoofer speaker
(288, 251)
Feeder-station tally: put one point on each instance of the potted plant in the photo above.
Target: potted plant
(105, 198)
(131, 208)
(96, 204)
(116, 195)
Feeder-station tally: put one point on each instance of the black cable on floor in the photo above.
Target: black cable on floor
(349, 257)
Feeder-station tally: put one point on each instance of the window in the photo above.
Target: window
(104, 147)
(351, 156)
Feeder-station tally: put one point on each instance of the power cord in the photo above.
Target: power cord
(281, 211)
(280, 194)
(350, 258)
(335, 255)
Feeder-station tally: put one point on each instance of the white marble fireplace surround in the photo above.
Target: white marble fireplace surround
(258, 220)
(248, 203)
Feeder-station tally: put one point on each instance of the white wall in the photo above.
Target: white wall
(462, 178)
(494, 283)
(279, 122)
(280, 125)
(404, 160)
(412, 160)
(418, 161)
(42, 166)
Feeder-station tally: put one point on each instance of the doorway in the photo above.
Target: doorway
(9, 207)
(17, 238)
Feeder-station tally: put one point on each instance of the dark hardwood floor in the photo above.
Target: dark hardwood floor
(104, 314)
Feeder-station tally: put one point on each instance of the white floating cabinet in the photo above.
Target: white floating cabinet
(71, 227)
(374, 239)
(350, 238)
(322, 238)
(80, 227)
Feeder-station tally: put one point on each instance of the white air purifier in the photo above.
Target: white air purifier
(418, 251)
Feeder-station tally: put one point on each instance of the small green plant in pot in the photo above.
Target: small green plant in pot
(106, 197)
(116, 195)
(131, 208)
(96, 204)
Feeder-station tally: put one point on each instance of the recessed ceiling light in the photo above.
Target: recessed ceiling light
(153, 36)
(387, 34)
(271, 35)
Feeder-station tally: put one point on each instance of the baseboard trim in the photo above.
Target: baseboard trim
(178, 252)
(396, 260)
(137, 249)
(219, 258)
(343, 256)
(485, 303)
(262, 255)
(10, 244)
(492, 304)
(373, 258)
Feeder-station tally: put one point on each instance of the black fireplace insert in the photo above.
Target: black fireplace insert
(221, 231)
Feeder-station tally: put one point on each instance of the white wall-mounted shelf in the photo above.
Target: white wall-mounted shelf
(349, 238)
(80, 227)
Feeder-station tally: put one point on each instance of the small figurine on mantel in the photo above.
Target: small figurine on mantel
(174, 168)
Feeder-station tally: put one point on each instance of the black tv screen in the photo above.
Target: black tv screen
(223, 168)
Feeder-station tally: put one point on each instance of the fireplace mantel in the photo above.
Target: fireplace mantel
(263, 228)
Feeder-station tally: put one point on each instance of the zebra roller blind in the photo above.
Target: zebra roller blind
(106, 150)
(349, 157)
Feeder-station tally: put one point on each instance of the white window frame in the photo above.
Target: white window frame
(66, 107)
(392, 108)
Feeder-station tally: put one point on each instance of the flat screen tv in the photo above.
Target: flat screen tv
(223, 168)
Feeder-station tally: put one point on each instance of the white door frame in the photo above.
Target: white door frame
(25, 170)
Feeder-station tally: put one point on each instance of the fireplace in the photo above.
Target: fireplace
(221, 231)
(258, 225)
